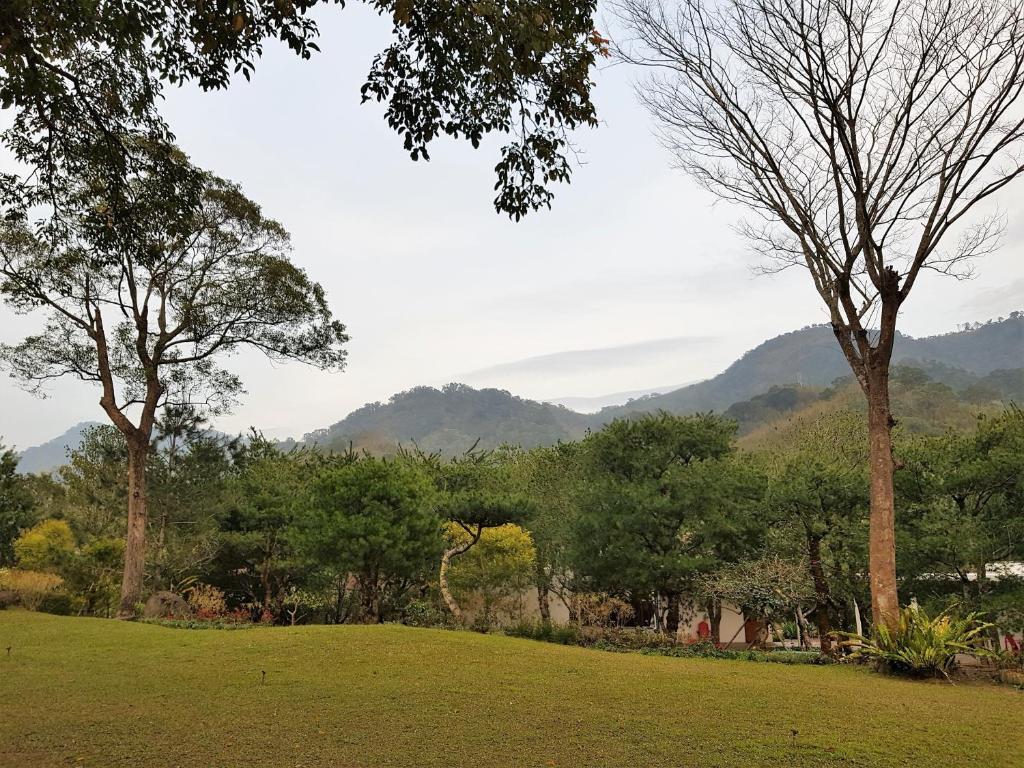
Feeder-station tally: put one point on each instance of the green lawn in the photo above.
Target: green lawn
(93, 692)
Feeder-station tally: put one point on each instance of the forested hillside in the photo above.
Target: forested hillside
(450, 420)
(811, 357)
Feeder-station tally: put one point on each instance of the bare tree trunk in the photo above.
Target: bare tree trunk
(442, 578)
(822, 594)
(801, 630)
(135, 538)
(885, 606)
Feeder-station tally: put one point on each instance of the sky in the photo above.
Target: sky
(635, 279)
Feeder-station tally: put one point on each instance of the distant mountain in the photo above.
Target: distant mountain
(450, 420)
(811, 357)
(979, 365)
(54, 453)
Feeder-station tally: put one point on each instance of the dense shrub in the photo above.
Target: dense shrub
(46, 546)
(599, 609)
(59, 603)
(563, 634)
(207, 602)
(921, 646)
(425, 613)
(30, 587)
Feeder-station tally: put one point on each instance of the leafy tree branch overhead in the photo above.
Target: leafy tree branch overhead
(88, 75)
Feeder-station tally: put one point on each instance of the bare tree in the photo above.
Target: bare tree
(144, 291)
(861, 134)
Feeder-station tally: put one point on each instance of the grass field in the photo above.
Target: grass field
(93, 692)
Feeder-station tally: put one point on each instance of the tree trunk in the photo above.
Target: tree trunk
(265, 570)
(981, 580)
(369, 589)
(442, 578)
(572, 604)
(672, 616)
(822, 594)
(802, 634)
(885, 606)
(714, 609)
(135, 538)
(543, 593)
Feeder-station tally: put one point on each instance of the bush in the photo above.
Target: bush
(30, 587)
(59, 604)
(46, 546)
(207, 602)
(425, 613)
(545, 631)
(599, 609)
(920, 646)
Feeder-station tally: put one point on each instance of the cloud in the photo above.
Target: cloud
(991, 302)
(582, 361)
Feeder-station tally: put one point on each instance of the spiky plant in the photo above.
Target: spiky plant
(922, 646)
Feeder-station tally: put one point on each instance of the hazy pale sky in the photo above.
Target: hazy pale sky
(633, 280)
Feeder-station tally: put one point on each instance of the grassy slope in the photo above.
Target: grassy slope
(93, 692)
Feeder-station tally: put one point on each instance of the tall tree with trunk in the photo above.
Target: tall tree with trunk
(964, 494)
(552, 478)
(376, 520)
(476, 491)
(817, 506)
(662, 503)
(143, 290)
(473, 512)
(862, 135)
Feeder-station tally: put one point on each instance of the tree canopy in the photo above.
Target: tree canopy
(84, 79)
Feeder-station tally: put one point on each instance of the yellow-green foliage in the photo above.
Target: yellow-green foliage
(494, 574)
(30, 587)
(46, 546)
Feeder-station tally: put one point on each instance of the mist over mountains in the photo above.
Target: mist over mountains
(976, 365)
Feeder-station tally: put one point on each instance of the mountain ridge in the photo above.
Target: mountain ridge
(980, 362)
